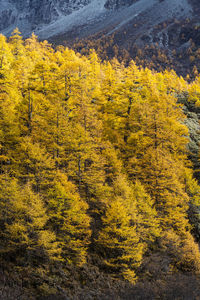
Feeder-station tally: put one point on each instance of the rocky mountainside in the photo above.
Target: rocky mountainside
(168, 24)
(116, 4)
(34, 15)
(79, 18)
(29, 15)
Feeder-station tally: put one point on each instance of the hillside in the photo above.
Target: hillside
(160, 34)
(93, 202)
(99, 150)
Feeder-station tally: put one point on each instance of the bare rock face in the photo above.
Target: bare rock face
(27, 14)
(6, 18)
(48, 18)
(46, 11)
(116, 4)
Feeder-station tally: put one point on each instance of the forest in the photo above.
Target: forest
(96, 187)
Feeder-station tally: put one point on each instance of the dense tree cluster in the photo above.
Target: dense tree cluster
(93, 164)
(181, 55)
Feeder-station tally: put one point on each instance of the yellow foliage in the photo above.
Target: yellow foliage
(184, 251)
(93, 155)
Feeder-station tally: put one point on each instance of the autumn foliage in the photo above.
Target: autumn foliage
(93, 163)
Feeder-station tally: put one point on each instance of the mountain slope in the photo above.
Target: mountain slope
(85, 17)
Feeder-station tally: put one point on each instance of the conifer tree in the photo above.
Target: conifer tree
(68, 219)
(158, 148)
(23, 219)
(118, 241)
(34, 165)
(93, 162)
(193, 191)
(9, 99)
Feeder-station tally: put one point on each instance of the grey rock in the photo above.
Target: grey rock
(116, 4)
(28, 14)
(50, 18)
(192, 121)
